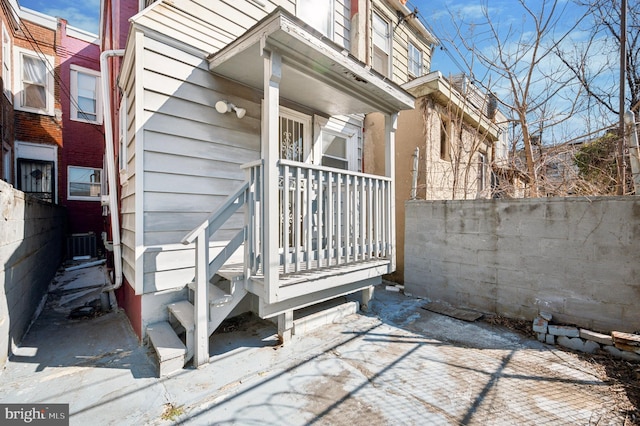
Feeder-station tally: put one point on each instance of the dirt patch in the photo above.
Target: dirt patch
(623, 376)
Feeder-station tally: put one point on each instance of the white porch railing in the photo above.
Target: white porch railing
(328, 217)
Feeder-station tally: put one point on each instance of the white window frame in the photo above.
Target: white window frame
(37, 151)
(49, 62)
(313, 6)
(387, 36)
(305, 119)
(83, 197)
(75, 113)
(6, 63)
(415, 67)
(348, 131)
(122, 134)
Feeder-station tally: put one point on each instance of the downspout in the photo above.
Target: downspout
(111, 170)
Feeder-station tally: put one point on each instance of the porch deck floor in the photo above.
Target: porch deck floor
(316, 272)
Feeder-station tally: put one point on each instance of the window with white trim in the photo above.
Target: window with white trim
(84, 183)
(86, 103)
(37, 178)
(318, 14)
(381, 45)
(34, 82)
(295, 135)
(339, 146)
(6, 63)
(415, 61)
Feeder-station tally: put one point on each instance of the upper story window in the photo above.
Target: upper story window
(85, 95)
(318, 14)
(34, 91)
(381, 45)
(415, 61)
(6, 63)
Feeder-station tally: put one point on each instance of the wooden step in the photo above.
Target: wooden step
(169, 349)
(217, 296)
(183, 312)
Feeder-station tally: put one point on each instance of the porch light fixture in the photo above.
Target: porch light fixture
(224, 107)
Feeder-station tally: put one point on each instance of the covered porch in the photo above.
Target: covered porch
(312, 232)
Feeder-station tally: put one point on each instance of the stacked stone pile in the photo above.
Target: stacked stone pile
(622, 345)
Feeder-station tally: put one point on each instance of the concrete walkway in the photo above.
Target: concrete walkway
(399, 365)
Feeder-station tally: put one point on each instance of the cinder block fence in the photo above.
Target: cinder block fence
(31, 234)
(577, 258)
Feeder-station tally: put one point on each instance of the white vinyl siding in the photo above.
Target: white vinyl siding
(192, 155)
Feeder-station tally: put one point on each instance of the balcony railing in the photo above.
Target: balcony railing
(328, 217)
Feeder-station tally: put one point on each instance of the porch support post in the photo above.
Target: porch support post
(367, 297)
(285, 326)
(391, 124)
(200, 300)
(269, 149)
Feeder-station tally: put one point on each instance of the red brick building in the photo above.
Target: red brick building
(51, 114)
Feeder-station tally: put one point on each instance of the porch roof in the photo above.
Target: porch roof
(316, 73)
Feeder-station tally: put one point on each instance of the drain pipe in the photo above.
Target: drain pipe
(111, 172)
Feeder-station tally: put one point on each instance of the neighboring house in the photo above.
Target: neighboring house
(53, 143)
(10, 23)
(36, 103)
(459, 135)
(82, 154)
(241, 109)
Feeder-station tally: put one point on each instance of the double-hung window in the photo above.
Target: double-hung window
(318, 14)
(415, 61)
(85, 95)
(6, 63)
(34, 78)
(381, 45)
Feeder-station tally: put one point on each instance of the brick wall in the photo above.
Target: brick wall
(83, 142)
(31, 234)
(576, 258)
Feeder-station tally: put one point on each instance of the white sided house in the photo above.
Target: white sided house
(240, 169)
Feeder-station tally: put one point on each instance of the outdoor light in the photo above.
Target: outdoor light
(224, 107)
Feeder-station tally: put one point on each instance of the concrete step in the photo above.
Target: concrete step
(170, 350)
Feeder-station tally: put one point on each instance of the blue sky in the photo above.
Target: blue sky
(82, 14)
(436, 14)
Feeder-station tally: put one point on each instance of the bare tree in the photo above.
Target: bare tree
(517, 61)
(604, 43)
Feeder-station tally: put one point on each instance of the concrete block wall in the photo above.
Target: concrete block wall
(31, 236)
(576, 258)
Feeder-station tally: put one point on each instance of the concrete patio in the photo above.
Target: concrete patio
(399, 364)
